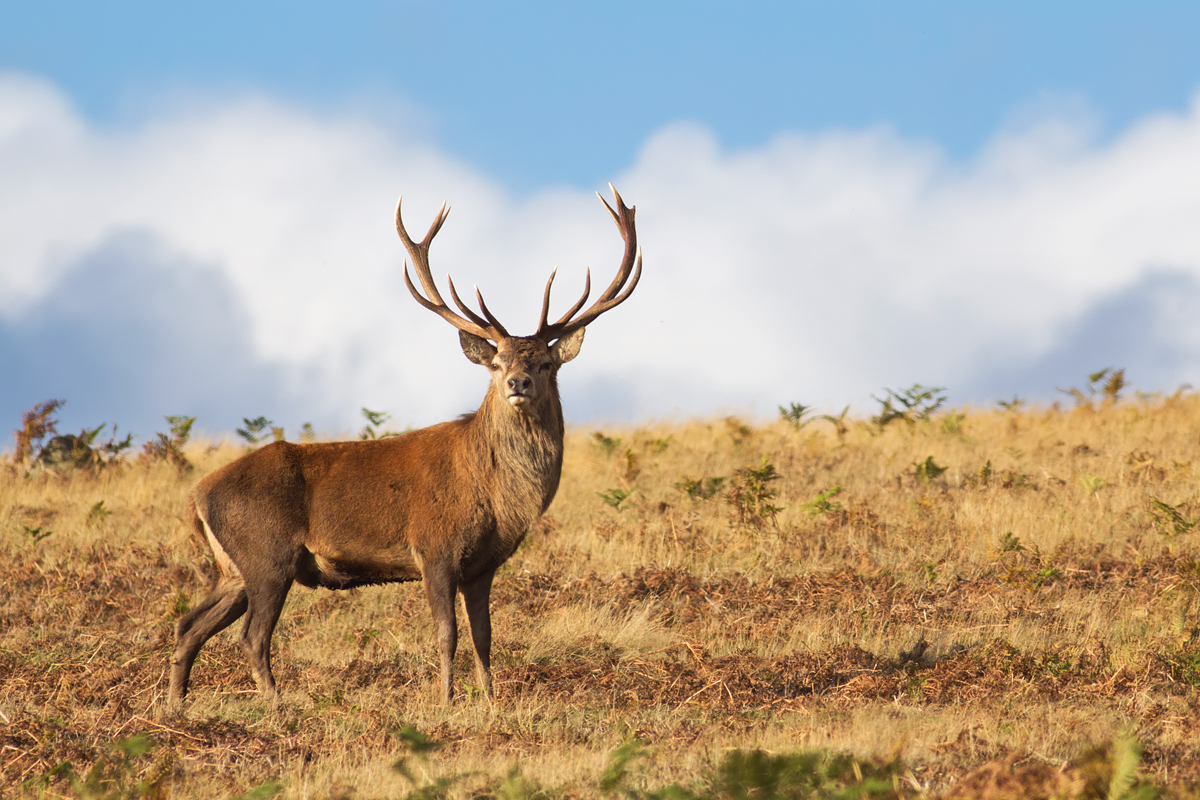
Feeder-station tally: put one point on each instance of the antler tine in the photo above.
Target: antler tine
(624, 220)
(442, 311)
(471, 315)
(546, 302)
(620, 202)
(587, 290)
(544, 325)
(613, 296)
(419, 252)
(602, 305)
(487, 313)
(491, 320)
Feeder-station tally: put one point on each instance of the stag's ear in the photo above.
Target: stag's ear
(476, 348)
(567, 347)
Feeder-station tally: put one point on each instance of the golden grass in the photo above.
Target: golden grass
(1021, 607)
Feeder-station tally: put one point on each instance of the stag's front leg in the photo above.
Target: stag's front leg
(476, 596)
(440, 588)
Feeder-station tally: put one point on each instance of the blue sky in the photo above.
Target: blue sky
(995, 197)
(544, 93)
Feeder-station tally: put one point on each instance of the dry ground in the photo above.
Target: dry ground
(1015, 626)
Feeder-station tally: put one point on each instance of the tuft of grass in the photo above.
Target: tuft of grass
(69, 451)
(1026, 568)
(1011, 406)
(169, 447)
(1009, 543)
(607, 444)
(760, 775)
(264, 791)
(952, 423)
(255, 430)
(1183, 663)
(738, 430)
(36, 424)
(417, 744)
(1109, 392)
(911, 405)
(1170, 519)
(631, 466)
(823, 503)
(751, 495)
(840, 425)
(35, 535)
(701, 488)
(614, 497)
(117, 774)
(374, 427)
(97, 514)
(927, 471)
(794, 415)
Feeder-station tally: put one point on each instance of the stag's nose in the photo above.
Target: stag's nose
(519, 384)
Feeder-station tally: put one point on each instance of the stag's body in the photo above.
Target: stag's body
(448, 504)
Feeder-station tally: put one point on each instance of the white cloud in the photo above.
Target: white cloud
(818, 267)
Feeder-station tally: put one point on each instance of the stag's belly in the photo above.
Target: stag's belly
(339, 570)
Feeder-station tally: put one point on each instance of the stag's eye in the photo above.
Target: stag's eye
(545, 367)
(495, 367)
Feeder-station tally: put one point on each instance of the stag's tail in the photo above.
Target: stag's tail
(197, 524)
(193, 516)
(226, 568)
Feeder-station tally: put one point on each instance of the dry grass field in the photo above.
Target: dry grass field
(999, 603)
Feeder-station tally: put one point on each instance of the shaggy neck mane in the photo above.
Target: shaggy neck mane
(525, 450)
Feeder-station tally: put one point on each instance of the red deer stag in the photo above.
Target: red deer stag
(447, 504)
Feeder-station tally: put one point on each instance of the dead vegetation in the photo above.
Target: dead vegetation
(976, 603)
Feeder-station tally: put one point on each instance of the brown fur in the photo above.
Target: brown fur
(447, 504)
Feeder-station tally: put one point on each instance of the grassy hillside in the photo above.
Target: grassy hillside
(998, 603)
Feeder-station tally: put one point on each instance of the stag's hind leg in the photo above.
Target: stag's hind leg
(266, 598)
(223, 605)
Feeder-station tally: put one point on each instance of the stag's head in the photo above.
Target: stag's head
(524, 369)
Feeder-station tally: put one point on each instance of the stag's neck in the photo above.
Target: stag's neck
(524, 450)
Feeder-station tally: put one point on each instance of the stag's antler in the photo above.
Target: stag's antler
(489, 328)
(613, 296)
